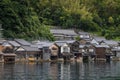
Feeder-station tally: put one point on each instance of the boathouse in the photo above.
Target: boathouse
(116, 53)
(28, 53)
(75, 49)
(64, 50)
(1, 44)
(1, 57)
(47, 50)
(54, 51)
(87, 51)
(8, 53)
(100, 51)
(9, 57)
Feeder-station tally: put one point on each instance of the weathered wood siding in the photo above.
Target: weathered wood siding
(100, 52)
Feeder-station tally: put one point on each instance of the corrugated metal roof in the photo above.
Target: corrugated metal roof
(23, 42)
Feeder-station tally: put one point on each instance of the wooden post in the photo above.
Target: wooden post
(26, 56)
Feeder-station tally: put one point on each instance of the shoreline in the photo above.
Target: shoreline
(60, 60)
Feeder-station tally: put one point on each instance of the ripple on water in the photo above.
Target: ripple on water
(60, 71)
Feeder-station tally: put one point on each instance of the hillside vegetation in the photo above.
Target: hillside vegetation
(28, 18)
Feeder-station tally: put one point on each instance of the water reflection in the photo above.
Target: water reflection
(60, 71)
(53, 71)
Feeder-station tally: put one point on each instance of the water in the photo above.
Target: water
(60, 71)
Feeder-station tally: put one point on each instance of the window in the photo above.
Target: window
(83, 50)
(65, 49)
(91, 50)
(46, 50)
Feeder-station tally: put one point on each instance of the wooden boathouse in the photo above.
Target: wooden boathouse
(64, 50)
(28, 53)
(54, 51)
(9, 57)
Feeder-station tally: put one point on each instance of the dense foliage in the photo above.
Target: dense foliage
(25, 18)
(19, 20)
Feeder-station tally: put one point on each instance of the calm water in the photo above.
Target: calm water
(60, 71)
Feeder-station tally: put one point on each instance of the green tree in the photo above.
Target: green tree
(20, 20)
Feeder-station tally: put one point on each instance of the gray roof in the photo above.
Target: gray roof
(2, 41)
(59, 35)
(63, 31)
(47, 44)
(40, 46)
(65, 41)
(34, 45)
(23, 42)
(14, 43)
(70, 41)
(105, 46)
(83, 33)
(6, 43)
(116, 50)
(37, 46)
(99, 38)
(28, 48)
(111, 42)
(94, 42)
(60, 43)
(41, 42)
